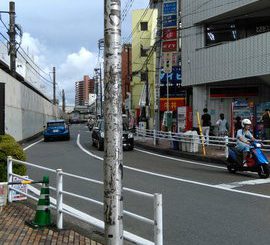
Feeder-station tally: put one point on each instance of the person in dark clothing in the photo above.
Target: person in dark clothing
(206, 124)
(266, 124)
(237, 125)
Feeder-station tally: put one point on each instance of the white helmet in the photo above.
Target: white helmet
(246, 122)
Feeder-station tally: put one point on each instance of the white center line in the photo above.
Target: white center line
(224, 188)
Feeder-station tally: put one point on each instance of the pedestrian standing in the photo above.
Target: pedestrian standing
(237, 125)
(266, 124)
(223, 126)
(206, 124)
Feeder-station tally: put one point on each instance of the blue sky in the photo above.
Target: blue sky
(64, 33)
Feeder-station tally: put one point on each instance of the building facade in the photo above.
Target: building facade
(144, 24)
(83, 89)
(225, 56)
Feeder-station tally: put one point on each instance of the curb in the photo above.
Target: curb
(180, 154)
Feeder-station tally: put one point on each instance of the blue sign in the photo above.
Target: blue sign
(174, 77)
(170, 8)
(169, 20)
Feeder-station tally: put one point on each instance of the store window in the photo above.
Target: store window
(228, 31)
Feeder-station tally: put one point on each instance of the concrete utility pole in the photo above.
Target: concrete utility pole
(63, 101)
(54, 87)
(12, 38)
(113, 159)
(158, 5)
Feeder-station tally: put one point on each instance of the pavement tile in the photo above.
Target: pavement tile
(14, 231)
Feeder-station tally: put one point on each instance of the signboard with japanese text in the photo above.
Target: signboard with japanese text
(170, 21)
(174, 103)
(169, 46)
(170, 8)
(16, 196)
(169, 33)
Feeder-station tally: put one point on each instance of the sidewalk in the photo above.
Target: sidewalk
(14, 231)
(213, 154)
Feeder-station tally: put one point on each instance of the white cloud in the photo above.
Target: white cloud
(75, 66)
(72, 69)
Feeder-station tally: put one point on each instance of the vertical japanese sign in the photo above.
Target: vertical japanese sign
(170, 48)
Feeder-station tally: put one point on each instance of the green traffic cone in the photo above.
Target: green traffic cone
(43, 214)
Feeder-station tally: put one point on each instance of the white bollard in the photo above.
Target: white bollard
(226, 146)
(158, 220)
(9, 176)
(59, 198)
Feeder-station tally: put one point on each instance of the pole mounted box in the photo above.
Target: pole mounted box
(167, 66)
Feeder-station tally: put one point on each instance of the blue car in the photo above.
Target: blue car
(56, 129)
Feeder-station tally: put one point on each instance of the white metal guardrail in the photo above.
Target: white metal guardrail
(193, 139)
(59, 205)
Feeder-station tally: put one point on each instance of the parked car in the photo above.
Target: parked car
(56, 129)
(98, 136)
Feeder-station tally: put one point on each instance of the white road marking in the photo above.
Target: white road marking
(27, 147)
(180, 160)
(224, 188)
(245, 183)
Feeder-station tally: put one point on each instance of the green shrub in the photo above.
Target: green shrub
(9, 147)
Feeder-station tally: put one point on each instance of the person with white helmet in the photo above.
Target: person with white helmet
(244, 136)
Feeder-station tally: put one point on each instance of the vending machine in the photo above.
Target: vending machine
(184, 118)
(244, 109)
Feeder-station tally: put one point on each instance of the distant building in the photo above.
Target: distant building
(83, 89)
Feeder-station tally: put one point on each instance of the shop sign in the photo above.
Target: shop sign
(174, 76)
(170, 33)
(174, 103)
(170, 8)
(169, 20)
(16, 196)
(169, 46)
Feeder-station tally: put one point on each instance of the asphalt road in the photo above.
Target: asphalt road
(202, 203)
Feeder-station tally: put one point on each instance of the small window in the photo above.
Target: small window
(144, 51)
(144, 26)
(143, 76)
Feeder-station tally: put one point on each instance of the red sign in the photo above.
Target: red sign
(169, 46)
(169, 34)
(173, 103)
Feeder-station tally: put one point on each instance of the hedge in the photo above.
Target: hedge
(9, 147)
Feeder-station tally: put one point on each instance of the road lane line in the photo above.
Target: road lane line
(245, 183)
(27, 147)
(219, 187)
(180, 160)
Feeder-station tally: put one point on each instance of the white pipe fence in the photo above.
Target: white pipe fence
(193, 139)
(157, 221)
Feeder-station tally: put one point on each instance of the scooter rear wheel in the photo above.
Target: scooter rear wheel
(264, 171)
(231, 169)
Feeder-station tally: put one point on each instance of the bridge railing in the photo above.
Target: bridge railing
(61, 208)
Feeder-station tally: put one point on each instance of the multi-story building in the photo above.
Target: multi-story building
(144, 24)
(225, 55)
(83, 89)
(126, 75)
